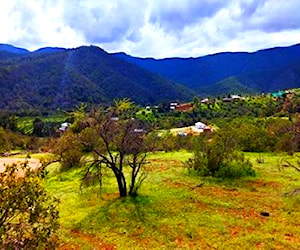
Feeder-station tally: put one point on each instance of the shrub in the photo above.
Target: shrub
(217, 157)
(28, 215)
(235, 169)
(69, 150)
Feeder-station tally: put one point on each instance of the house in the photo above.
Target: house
(233, 98)
(201, 127)
(205, 100)
(196, 129)
(173, 105)
(64, 126)
(185, 107)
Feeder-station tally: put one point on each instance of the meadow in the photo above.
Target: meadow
(176, 206)
(178, 210)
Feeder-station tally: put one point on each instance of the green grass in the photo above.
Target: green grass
(171, 212)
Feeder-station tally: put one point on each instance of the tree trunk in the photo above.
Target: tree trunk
(131, 188)
(121, 184)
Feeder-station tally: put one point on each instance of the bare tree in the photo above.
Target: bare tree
(118, 144)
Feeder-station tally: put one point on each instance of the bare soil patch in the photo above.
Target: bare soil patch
(33, 163)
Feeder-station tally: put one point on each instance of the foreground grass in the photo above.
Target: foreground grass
(178, 211)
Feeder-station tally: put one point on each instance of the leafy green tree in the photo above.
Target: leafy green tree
(252, 137)
(285, 134)
(28, 215)
(123, 104)
(124, 108)
(77, 116)
(8, 120)
(68, 148)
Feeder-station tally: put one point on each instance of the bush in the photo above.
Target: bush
(28, 216)
(216, 157)
(235, 169)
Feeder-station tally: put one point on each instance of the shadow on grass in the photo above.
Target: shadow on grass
(118, 213)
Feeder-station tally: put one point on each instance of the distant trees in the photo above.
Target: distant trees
(263, 135)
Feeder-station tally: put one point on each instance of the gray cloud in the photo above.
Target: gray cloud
(249, 8)
(104, 23)
(175, 15)
(271, 16)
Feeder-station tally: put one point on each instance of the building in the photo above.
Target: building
(185, 107)
(64, 126)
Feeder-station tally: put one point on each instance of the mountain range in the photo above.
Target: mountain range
(262, 71)
(51, 78)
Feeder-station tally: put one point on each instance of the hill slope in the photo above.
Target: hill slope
(62, 78)
(257, 71)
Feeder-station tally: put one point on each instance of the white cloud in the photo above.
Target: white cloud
(152, 28)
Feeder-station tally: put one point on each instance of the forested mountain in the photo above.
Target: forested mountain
(261, 71)
(52, 78)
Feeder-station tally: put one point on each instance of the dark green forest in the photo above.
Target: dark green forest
(56, 78)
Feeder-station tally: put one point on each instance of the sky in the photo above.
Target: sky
(151, 28)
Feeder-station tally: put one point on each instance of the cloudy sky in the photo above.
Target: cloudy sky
(151, 28)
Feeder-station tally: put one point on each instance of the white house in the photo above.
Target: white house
(64, 126)
(200, 125)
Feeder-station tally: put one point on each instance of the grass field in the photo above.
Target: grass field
(176, 210)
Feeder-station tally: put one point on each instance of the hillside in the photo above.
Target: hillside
(261, 71)
(228, 85)
(52, 78)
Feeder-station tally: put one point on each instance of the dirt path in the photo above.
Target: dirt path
(33, 163)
